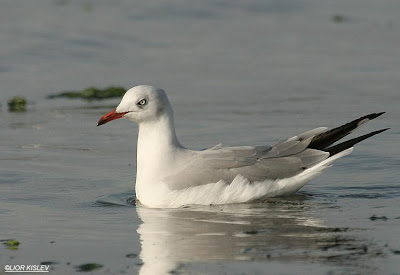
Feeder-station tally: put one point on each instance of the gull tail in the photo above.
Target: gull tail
(323, 140)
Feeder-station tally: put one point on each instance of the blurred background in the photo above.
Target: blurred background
(237, 72)
(211, 47)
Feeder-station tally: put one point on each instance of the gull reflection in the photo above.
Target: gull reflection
(278, 229)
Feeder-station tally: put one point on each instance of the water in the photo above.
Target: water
(236, 72)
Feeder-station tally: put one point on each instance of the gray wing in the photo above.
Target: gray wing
(285, 159)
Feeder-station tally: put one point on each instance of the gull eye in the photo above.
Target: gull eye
(142, 102)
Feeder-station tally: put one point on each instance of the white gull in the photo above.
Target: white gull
(170, 175)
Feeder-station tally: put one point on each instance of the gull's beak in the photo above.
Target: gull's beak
(110, 116)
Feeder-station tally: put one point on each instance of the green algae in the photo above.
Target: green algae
(338, 18)
(88, 267)
(11, 244)
(92, 93)
(17, 104)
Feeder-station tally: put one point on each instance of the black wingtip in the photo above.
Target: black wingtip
(379, 131)
(327, 138)
(350, 143)
(374, 115)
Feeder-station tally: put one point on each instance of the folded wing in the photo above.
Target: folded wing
(287, 158)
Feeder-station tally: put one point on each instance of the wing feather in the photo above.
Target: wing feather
(287, 158)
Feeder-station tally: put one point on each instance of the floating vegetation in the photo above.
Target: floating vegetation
(11, 244)
(337, 18)
(88, 267)
(131, 255)
(17, 104)
(252, 232)
(374, 218)
(92, 93)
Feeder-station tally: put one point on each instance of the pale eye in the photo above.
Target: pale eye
(142, 102)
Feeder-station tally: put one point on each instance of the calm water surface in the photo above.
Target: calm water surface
(242, 72)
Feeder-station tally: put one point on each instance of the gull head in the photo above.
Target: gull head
(141, 103)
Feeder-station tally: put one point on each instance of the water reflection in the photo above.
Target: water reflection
(283, 230)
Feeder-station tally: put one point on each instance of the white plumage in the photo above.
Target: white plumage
(170, 175)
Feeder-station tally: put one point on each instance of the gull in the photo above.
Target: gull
(170, 175)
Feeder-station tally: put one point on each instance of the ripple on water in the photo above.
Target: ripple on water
(126, 199)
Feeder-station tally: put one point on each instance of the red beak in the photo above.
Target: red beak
(110, 116)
